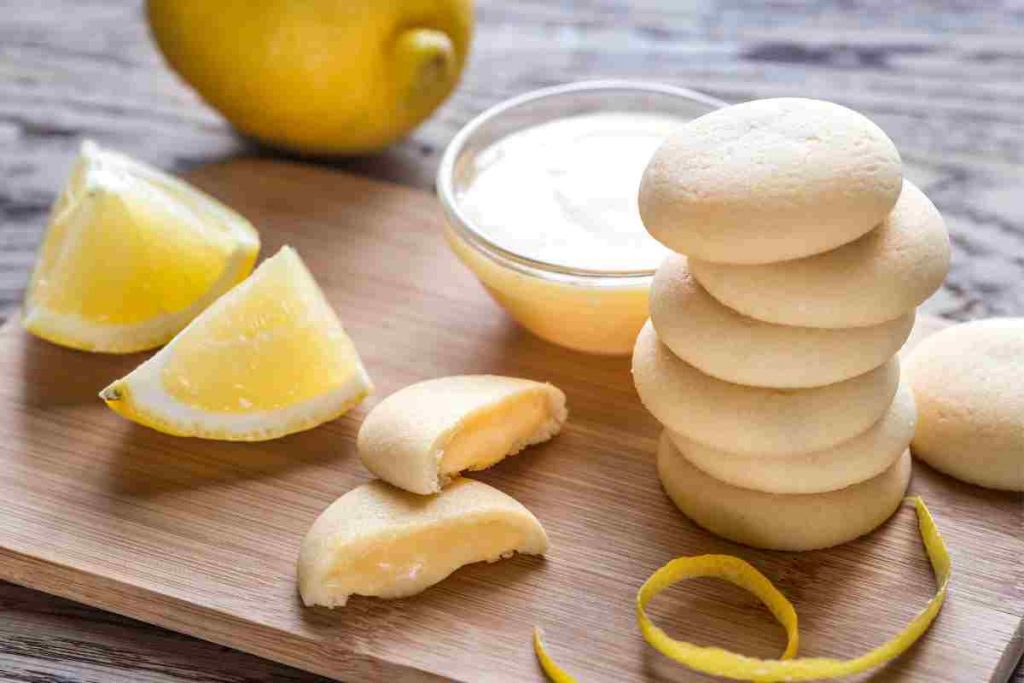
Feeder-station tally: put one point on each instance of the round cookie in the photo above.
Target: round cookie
(732, 347)
(781, 522)
(968, 381)
(850, 462)
(756, 420)
(879, 277)
(769, 180)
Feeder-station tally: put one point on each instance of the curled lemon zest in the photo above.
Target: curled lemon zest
(553, 671)
(721, 662)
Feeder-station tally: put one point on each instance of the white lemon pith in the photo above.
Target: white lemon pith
(423, 435)
(268, 358)
(378, 540)
(130, 256)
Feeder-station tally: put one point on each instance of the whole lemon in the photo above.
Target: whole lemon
(319, 76)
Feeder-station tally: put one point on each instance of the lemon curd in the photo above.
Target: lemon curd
(565, 192)
(541, 196)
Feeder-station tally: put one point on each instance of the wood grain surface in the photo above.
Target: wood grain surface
(942, 76)
(201, 536)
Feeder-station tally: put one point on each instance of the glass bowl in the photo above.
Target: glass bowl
(595, 311)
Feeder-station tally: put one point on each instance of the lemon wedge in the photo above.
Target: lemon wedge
(268, 358)
(130, 256)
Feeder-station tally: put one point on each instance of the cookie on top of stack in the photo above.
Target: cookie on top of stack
(769, 358)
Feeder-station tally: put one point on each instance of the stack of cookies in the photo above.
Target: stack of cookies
(770, 354)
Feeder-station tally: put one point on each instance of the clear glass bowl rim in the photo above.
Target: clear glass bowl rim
(464, 227)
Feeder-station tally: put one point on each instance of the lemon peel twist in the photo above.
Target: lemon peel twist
(721, 662)
(553, 671)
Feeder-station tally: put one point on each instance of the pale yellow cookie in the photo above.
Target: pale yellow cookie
(769, 180)
(881, 276)
(776, 521)
(968, 381)
(849, 462)
(381, 541)
(755, 420)
(423, 435)
(732, 347)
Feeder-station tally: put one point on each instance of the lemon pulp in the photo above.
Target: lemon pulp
(222, 364)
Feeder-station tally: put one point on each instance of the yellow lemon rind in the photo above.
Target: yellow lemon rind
(550, 667)
(721, 662)
(148, 405)
(82, 334)
(365, 76)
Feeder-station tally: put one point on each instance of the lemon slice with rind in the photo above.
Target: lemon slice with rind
(268, 358)
(131, 255)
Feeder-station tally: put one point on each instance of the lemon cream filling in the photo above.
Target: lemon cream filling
(421, 558)
(421, 436)
(484, 439)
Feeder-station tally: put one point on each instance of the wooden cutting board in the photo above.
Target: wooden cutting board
(201, 536)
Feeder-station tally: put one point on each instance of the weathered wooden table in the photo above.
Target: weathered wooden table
(945, 79)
